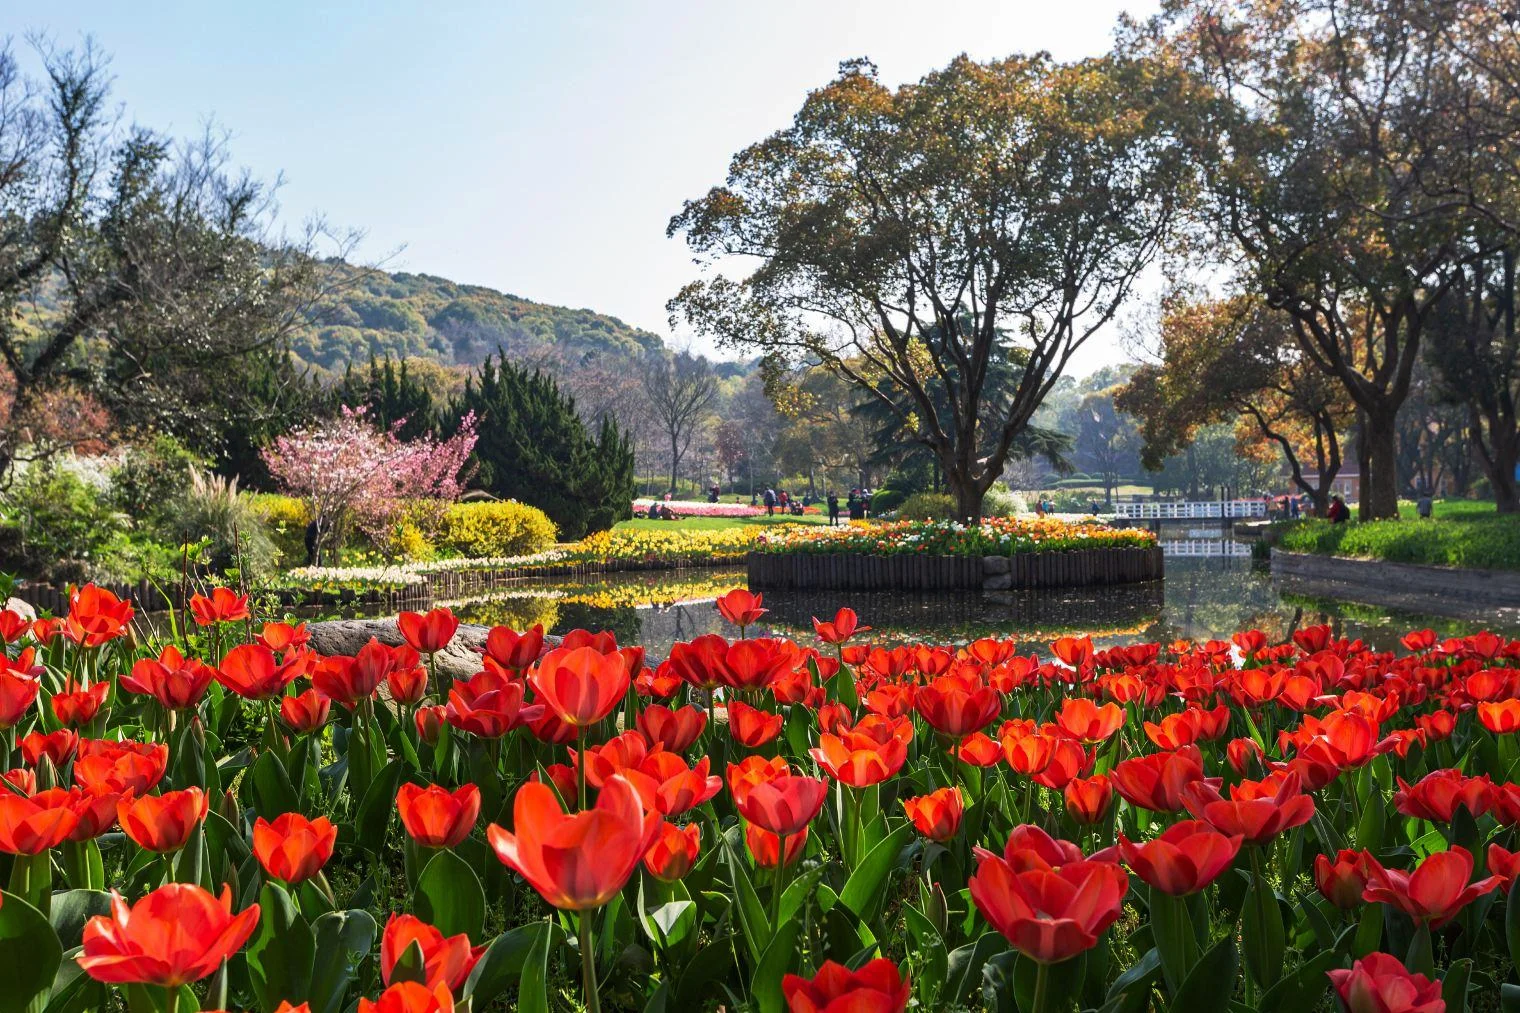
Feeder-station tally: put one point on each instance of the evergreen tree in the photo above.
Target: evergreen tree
(392, 395)
(534, 448)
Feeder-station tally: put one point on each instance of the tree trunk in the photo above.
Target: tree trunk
(1378, 448)
(675, 463)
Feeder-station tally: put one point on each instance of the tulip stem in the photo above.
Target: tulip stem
(580, 766)
(588, 965)
(1041, 982)
(171, 999)
(778, 883)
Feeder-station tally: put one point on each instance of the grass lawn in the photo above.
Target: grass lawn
(1460, 533)
(717, 523)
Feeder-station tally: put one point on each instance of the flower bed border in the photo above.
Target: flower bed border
(1457, 592)
(848, 571)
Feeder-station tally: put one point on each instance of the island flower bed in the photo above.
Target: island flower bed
(233, 822)
(696, 508)
(994, 536)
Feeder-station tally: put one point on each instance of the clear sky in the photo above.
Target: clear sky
(538, 148)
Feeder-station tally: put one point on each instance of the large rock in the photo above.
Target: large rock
(992, 565)
(21, 608)
(999, 582)
(459, 660)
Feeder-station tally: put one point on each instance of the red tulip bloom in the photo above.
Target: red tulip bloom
(561, 776)
(957, 705)
(936, 815)
(1029, 753)
(32, 825)
(614, 756)
(1156, 781)
(765, 847)
(177, 934)
(1256, 810)
(667, 786)
(436, 817)
(1187, 857)
(674, 730)
(1437, 795)
(223, 606)
(1380, 983)
(1505, 864)
(1074, 652)
(96, 616)
(750, 726)
(407, 685)
(12, 625)
(674, 851)
(842, 627)
(305, 712)
(78, 707)
(785, 805)
(580, 685)
(429, 722)
(162, 823)
(1240, 753)
(103, 765)
(446, 961)
(581, 861)
(349, 681)
(1435, 892)
(741, 608)
(1049, 915)
(22, 779)
(59, 747)
(410, 997)
(251, 671)
(96, 812)
(16, 696)
(858, 757)
(512, 651)
(430, 633)
(1501, 718)
(489, 705)
(703, 662)
(293, 848)
(759, 663)
(877, 987)
(1342, 881)
(1088, 799)
(1029, 847)
(660, 683)
(1067, 761)
(978, 750)
(282, 637)
(1087, 722)
(176, 682)
(1175, 730)
(753, 770)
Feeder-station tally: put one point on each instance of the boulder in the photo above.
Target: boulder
(21, 608)
(459, 660)
(999, 582)
(995, 564)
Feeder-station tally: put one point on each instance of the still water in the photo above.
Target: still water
(1212, 589)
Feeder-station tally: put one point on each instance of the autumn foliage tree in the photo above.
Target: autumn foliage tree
(989, 217)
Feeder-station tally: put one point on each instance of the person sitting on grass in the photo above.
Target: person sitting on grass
(1337, 512)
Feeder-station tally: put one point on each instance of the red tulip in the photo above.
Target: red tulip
(305, 712)
(293, 848)
(1088, 799)
(513, 651)
(251, 671)
(1067, 760)
(24, 780)
(765, 847)
(446, 961)
(78, 707)
(105, 765)
(96, 812)
(741, 608)
(1437, 795)
(978, 750)
(58, 747)
(579, 861)
(1049, 915)
(674, 851)
(842, 627)
(674, 730)
(957, 705)
(176, 682)
(1085, 721)
(430, 722)
(32, 825)
(16, 696)
(1187, 857)
(1256, 810)
(1342, 881)
(1175, 730)
(703, 662)
(430, 633)
(489, 705)
(410, 997)
(349, 681)
(407, 685)
(783, 806)
(282, 637)
(1505, 864)
(1241, 753)
(12, 625)
(1074, 652)
(436, 817)
(1380, 983)
(667, 786)
(162, 823)
(177, 934)
(877, 987)
(660, 683)
(1435, 892)
(580, 685)
(96, 616)
(223, 606)
(1028, 847)
(936, 815)
(867, 754)
(750, 726)
(753, 770)
(1156, 781)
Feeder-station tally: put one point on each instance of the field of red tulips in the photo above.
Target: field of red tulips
(230, 821)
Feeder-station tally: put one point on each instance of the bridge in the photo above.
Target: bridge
(1219, 509)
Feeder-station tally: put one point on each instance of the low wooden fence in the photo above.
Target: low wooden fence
(861, 572)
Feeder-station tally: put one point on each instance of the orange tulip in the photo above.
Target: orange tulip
(784, 806)
(874, 750)
(436, 817)
(579, 861)
(936, 815)
(741, 608)
(1087, 799)
(305, 712)
(176, 682)
(674, 851)
(580, 685)
(410, 997)
(1501, 718)
(177, 934)
(293, 848)
(77, 708)
(1074, 652)
(753, 770)
(957, 705)
(1049, 915)
(162, 823)
(751, 726)
(223, 606)
(667, 786)
(282, 637)
(407, 685)
(32, 825)
(674, 730)
(106, 765)
(1187, 857)
(1087, 722)
(878, 987)
(427, 634)
(765, 847)
(842, 627)
(445, 961)
(978, 750)
(489, 705)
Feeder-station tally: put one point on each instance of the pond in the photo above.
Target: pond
(1212, 589)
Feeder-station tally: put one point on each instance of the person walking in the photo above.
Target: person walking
(770, 502)
(833, 508)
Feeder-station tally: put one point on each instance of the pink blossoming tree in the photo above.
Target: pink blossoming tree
(353, 474)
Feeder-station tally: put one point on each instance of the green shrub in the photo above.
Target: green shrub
(1490, 542)
(285, 519)
(927, 506)
(150, 476)
(1000, 501)
(209, 512)
(500, 528)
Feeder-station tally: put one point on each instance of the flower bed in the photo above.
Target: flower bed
(995, 536)
(1233, 824)
(695, 508)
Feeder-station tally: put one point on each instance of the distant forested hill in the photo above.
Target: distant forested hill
(404, 315)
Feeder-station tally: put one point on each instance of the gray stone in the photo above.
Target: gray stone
(459, 660)
(21, 608)
(995, 564)
(999, 582)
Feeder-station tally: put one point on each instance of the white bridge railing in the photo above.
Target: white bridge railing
(1205, 548)
(1187, 511)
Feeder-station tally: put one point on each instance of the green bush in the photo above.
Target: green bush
(150, 476)
(285, 519)
(500, 528)
(927, 506)
(211, 514)
(1489, 542)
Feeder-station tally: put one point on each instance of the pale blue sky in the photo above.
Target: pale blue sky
(535, 148)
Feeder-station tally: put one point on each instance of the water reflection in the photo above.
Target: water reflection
(1211, 590)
